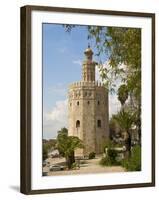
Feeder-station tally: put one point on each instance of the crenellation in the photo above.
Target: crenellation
(82, 84)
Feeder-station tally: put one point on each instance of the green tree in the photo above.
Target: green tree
(122, 47)
(67, 146)
(126, 120)
(122, 94)
(45, 152)
(114, 128)
(133, 163)
(50, 144)
(62, 135)
(63, 130)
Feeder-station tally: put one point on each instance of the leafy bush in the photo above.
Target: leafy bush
(112, 154)
(105, 161)
(134, 162)
(92, 155)
(75, 165)
(45, 152)
(110, 144)
(110, 158)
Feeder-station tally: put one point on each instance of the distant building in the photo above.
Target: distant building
(88, 109)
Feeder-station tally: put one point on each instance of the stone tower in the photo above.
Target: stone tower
(88, 109)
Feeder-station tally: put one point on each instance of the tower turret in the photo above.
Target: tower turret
(88, 67)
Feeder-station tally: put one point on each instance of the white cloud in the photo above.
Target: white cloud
(55, 119)
(59, 89)
(77, 62)
(58, 116)
(114, 104)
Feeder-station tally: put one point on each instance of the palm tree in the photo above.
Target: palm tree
(67, 146)
(125, 120)
(114, 128)
(122, 94)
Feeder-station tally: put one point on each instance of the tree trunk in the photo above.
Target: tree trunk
(139, 133)
(70, 159)
(128, 145)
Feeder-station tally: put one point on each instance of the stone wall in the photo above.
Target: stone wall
(102, 129)
(88, 103)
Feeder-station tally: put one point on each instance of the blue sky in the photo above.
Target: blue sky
(62, 55)
(62, 58)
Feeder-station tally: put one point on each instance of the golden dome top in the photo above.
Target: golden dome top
(88, 51)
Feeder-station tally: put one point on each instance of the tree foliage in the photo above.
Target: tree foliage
(114, 128)
(126, 120)
(121, 47)
(133, 163)
(63, 130)
(45, 152)
(67, 145)
(122, 94)
(50, 144)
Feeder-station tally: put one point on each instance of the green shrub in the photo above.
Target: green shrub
(75, 165)
(92, 155)
(110, 158)
(112, 154)
(111, 144)
(134, 162)
(105, 161)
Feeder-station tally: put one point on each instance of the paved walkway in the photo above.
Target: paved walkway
(86, 167)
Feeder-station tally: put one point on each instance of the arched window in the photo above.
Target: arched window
(98, 103)
(77, 103)
(77, 124)
(99, 124)
(88, 102)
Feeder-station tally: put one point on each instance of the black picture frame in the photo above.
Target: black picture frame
(26, 106)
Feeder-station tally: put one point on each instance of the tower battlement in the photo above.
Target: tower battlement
(86, 84)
